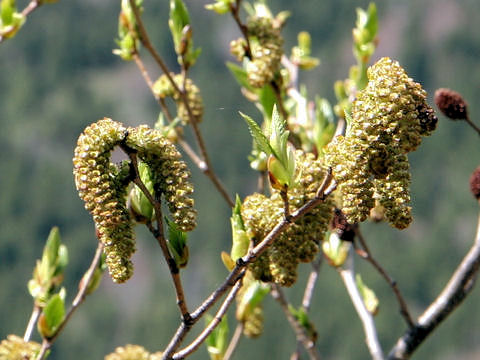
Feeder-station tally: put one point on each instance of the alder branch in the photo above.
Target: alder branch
(326, 188)
(77, 301)
(367, 255)
(159, 235)
(213, 324)
(457, 289)
(347, 273)
(205, 166)
(37, 310)
(302, 337)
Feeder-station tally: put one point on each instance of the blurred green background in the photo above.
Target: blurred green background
(58, 75)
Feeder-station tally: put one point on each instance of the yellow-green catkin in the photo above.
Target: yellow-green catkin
(299, 243)
(170, 174)
(252, 318)
(389, 118)
(101, 185)
(266, 49)
(164, 88)
(129, 352)
(14, 348)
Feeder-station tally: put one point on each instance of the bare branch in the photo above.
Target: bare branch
(456, 290)
(31, 323)
(367, 255)
(347, 273)
(213, 324)
(81, 295)
(300, 333)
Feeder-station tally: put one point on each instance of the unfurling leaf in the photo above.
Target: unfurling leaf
(52, 316)
(177, 243)
(369, 298)
(216, 342)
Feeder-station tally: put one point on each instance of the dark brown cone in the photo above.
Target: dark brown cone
(451, 104)
(475, 183)
(345, 231)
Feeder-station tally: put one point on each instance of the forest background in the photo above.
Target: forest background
(58, 75)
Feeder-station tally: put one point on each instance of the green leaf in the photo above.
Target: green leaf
(7, 9)
(217, 341)
(54, 313)
(177, 243)
(240, 74)
(220, 7)
(240, 240)
(50, 251)
(258, 136)
(266, 98)
(179, 18)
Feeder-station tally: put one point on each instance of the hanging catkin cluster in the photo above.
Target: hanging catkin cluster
(299, 243)
(389, 118)
(170, 174)
(103, 186)
(164, 88)
(266, 49)
(14, 348)
(132, 352)
(251, 316)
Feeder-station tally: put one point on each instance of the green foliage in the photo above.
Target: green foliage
(217, 341)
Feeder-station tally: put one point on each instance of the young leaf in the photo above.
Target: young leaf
(258, 136)
(216, 342)
(240, 240)
(240, 74)
(177, 243)
(54, 313)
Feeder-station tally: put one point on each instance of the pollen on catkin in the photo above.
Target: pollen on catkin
(389, 118)
(103, 187)
(15, 348)
(129, 352)
(164, 88)
(299, 243)
(170, 174)
(266, 49)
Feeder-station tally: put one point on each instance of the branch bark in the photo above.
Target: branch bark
(347, 273)
(457, 289)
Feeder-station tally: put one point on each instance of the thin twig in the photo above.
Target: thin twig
(235, 10)
(300, 333)
(327, 187)
(367, 255)
(472, 124)
(31, 323)
(312, 281)
(207, 169)
(307, 298)
(347, 273)
(160, 236)
(31, 6)
(213, 324)
(457, 289)
(234, 341)
(79, 298)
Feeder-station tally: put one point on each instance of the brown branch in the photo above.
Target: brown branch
(79, 298)
(457, 289)
(235, 10)
(327, 187)
(472, 124)
(367, 255)
(213, 324)
(307, 342)
(160, 236)
(207, 169)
